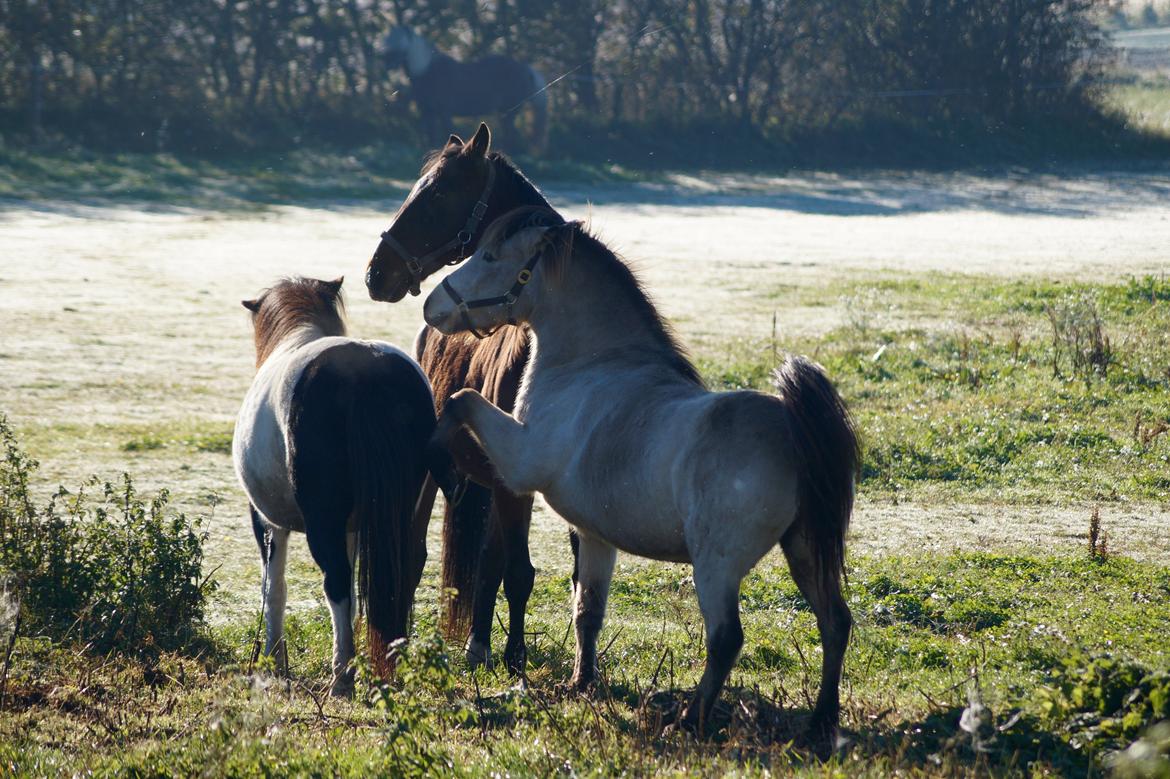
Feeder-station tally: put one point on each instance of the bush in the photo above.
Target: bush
(102, 568)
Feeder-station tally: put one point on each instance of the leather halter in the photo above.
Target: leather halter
(508, 299)
(418, 266)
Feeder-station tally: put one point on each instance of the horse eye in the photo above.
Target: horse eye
(489, 257)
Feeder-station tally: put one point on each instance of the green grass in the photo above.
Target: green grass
(953, 382)
(1145, 102)
(240, 182)
(958, 390)
(1043, 642)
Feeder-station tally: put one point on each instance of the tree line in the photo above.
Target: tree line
(230, 73)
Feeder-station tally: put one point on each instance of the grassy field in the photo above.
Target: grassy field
(1000, 338)
(1062, 647)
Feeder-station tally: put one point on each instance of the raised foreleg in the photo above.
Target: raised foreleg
(505, 441)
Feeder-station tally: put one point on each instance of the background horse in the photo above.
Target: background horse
(461, 189)
(331, 442)
(615, 428)
(443, 87)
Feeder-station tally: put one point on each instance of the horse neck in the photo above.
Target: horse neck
(588, 312)
(290, 340)
(515, 191)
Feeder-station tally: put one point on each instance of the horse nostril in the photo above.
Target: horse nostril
(373, 276)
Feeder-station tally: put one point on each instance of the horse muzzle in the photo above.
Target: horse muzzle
(380, 287)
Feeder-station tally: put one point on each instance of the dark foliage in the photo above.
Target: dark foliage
(246, 73)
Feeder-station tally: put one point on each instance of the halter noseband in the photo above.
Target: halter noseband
(508, 299)
(417, 266)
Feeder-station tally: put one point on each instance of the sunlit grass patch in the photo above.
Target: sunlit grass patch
(963, 384)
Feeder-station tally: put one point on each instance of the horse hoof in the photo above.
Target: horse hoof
(823, 735)
(515, 659)
(479, 655)
(342, 686)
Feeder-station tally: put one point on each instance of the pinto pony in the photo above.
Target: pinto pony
(615, 429)
(331, 442)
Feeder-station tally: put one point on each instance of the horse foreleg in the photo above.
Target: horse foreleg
(491, 573)
(514, 514)
(505, 441)
(595, 572)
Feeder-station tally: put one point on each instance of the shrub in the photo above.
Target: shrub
(101, 567)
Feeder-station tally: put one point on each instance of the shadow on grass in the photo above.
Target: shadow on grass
(755, 728)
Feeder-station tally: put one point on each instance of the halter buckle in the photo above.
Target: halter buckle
(479, 209)
(524, 276)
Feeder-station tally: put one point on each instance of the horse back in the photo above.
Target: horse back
(484, 86)
(297, 422)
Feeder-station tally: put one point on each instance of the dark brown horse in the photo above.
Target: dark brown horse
(461, 189)
(442, 87)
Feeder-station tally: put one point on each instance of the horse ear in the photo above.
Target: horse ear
(455, 140)
(335, 285)
(251, 305)
(481, 141)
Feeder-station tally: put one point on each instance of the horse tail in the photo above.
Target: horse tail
(829, 459)
(539, 110)
(387, 440)
(463, 537)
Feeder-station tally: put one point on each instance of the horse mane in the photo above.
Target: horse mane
(505, 168)
(293, 303)
(573, 240)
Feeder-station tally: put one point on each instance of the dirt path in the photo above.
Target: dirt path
(115, 320)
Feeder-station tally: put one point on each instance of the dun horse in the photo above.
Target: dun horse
(461, 189)
(615, 428)
(331, 442)
(443, 87)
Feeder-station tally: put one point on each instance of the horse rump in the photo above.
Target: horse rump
(391, 418)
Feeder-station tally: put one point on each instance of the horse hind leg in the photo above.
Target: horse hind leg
(718, 591)
(273, 542)
(822, 590)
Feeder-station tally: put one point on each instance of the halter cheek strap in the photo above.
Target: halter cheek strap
(508, 299)
(421, 267)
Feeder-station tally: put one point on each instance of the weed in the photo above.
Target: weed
(108, 570)
(1098, 536)
(1078, 337)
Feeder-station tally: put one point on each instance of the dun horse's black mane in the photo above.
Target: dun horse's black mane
(619, 271)
(577, 238)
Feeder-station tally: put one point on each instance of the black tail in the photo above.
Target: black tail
(829, 457)
(389, 427)
(463, 537)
